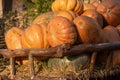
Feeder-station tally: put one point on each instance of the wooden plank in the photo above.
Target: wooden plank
(1, 8)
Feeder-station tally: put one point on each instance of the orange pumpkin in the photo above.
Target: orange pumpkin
(74, 5)
(94, 15)
(13, 38)
(60, 31)
(88, 6)
(35, 36)
(96, 3)
(110, 10)
(43, 18)
(118, 28)
(88, 29)
(68, 14)
(111, 35)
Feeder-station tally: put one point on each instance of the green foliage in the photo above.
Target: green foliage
(36, 7)
(31, 9)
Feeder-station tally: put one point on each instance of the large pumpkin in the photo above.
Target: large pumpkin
(88, 29)
(112, 35)
(74, 5)
(35, 36)
(94, 15)
(13, 38)
(110, 9)
(60, 31)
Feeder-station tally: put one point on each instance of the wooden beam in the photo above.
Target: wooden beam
(1, 8)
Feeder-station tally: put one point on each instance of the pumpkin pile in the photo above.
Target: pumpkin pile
(72, 22)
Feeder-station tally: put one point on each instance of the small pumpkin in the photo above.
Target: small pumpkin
(96, 3)
(43, 18)
(13, 38)
(110, 10)
(60, 31)
(88, 6)
(94, 15)
(89, 30)
(66, 13)
(35, 36)
(118, 28)
(74, 5)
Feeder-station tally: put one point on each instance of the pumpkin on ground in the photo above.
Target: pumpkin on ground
(60, 31)
(110, 10)
(73, 5)
(94, 15)
(35, 36)
(89, 30)
(13, 38)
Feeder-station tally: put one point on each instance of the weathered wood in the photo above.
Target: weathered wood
(1, 8)
(65, 50)
(31, 64)
(12, 66)
(92, 62)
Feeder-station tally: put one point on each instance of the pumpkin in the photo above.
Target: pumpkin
(60, 31)
(112, 35)
(43, 18)
(94, 15)
(68, 14)
(89, 30)
(118, 28)
(110, 10)
(13, 41)
(96, 3)
(89, 6)
(35, 36)
(13, 38)
(74, 5)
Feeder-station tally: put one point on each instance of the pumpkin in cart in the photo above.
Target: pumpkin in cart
(88, 6)
(60, 31)
(43, 18)
(73, 5)
(35, 36)
(110, 10)
(66, 13)
(13, 38)
(94, 15)
(13, 41)
(88, 29)
(112, 35)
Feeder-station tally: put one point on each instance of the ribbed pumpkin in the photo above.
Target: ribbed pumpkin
(35, 36)
(66, 13)
(88, 29)
(88, 6)
(74, 5)
(94, 15)
(60, 31)
(118, 28)
(13, 38)
(112, 35)
(96, 3)
(110, 9)
(43, 18)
